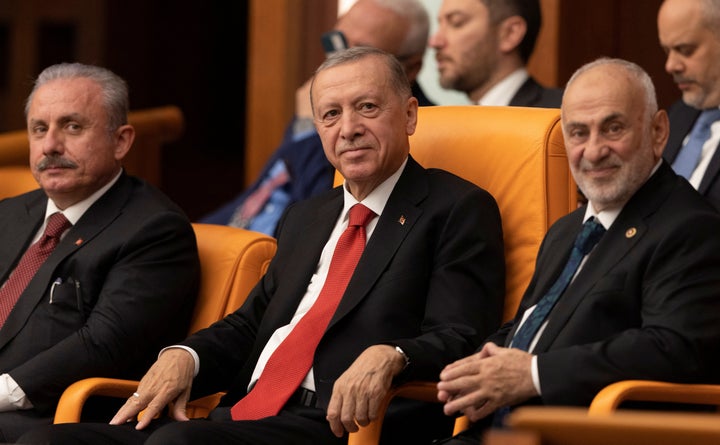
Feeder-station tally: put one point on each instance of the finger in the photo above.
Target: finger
(179, 409)
(151, 411)
(333, 415)
(361, 415)
(129, 411)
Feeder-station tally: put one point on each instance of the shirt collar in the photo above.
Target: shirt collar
(502, 93)
(76, 211)
(377, 199)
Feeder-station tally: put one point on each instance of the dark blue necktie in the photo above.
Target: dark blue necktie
(585, 241)
(689, 156)
(590, 234)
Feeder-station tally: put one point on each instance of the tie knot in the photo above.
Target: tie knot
(707, 117)
(360, 215)
(56, 225)
(590, 234)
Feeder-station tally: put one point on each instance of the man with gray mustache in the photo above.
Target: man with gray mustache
(121, 281)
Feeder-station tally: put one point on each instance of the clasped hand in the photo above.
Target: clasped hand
(479, 384)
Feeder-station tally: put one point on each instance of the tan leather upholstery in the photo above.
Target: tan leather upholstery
(518, 155)
(232, 261)
(16, 180)
(544, 425)
(612, 396)
(154, 127)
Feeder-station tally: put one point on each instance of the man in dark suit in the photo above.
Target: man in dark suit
(688, 32)
(428, 284)
(482, 48)
(123, 279)
(644, 303)
(399, 27)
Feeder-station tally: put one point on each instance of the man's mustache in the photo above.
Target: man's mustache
(55, 161)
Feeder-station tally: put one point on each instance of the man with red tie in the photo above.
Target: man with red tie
(387, 278)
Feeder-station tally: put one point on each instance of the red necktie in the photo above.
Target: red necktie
(30, 263)
(292, 360)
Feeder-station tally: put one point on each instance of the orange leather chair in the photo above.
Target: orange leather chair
(518, 155)
(154, 127)
(607, 401)
(545, 425)
(232, 261)
(16, 180)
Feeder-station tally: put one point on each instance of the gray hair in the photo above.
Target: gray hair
(711, 15)
(419, 31)
(114, 88)
(632, 69)
(398, 77)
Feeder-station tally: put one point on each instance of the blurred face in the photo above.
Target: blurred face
(363, 124)
(368, 24)
(71, 153)
(611, 147)
(466, 47)
(693, 52)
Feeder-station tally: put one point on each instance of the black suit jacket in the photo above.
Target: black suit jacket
(432, 284)
(532, 94)
(644, 306)
(130, 274)
(682, 118)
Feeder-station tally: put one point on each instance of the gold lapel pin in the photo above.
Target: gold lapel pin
(629, 233)
(402, 220)
(79, 241)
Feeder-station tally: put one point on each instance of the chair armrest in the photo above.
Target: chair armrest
(610, 397)
(370, 434)
(71, 402)
(70, 406)
(423, 391)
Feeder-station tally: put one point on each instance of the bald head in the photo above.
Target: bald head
(614, 133)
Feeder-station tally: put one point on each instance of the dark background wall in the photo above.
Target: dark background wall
(188, 53)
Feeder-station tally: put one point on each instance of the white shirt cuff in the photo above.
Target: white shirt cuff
(195, 357)
(12, 397)
(535, 375)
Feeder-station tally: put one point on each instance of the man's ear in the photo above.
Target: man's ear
(124, 137)
(412, 65)
(511, 32)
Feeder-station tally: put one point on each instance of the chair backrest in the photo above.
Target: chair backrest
(515, 153)
(16, 180)
(154, 127)
(232, 261)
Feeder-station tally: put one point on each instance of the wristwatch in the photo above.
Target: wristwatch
(405, 356)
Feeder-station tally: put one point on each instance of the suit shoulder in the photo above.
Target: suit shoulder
(449, 184)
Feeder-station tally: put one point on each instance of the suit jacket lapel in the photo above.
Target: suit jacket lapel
(528, 94)
(682, 118)
(20, 232)
(95, 219)
(627, 230)
(388, 235)
(296, 278)
(711, 173)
